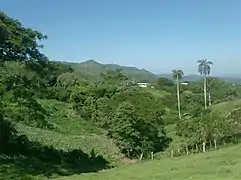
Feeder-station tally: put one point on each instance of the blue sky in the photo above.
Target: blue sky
(158, 35)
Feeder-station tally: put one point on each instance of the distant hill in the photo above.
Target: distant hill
(94, 69)
(235, 80)
(192, 77)
(91, 69)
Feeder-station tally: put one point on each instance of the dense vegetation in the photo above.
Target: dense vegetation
(66, 120)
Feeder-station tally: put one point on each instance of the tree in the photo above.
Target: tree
(18, 43)
(123, 129)
(234, 121)
(148, 107)
(21, 45)
(210, 82)
(204, 68)
(231, 93)
(113, 76)
(67, 80)
(134, 135)
(165, 84)
(177, 76)
(204, 127)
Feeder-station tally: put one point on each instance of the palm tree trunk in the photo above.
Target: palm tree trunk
(178, 99)
(205, 91)
(209, 98)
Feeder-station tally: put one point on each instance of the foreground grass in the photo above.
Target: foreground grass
(223, 164)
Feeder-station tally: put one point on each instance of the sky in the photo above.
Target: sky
(157, 35)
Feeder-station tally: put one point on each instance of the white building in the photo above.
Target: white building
(184, 83)
(142, 84)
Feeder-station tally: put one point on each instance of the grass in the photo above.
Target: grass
(71, 136)
(71, 132)
(158, 93)
(88, 142)
(225, 107)
(74, 146)
(176, 142)
(65, 121)
(223, 164)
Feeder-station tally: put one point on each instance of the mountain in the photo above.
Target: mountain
(93, 68)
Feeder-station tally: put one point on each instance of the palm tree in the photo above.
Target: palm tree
(204, 68)
(210, 83)
(177, 76)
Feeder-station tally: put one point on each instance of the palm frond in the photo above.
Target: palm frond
(204, 66)
(174, 71)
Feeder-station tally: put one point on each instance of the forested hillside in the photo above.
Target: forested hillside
(60, 119)
(91, 70)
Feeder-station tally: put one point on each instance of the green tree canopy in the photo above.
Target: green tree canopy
(18, 43)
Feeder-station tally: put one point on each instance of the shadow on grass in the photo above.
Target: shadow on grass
(20, 157)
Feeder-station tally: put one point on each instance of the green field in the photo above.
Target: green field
(226, 107)
(223, 164)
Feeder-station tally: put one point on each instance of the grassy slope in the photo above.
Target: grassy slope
(71, 132)
(226, 107)
(87, 142)
(222, 164)
(157, 93)
(170, 116)
(65, 120)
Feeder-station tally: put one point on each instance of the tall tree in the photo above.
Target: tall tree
(204, 68)
(177, 76)
(123, 129)
(21, 45)
(210, 82)
(18, 43)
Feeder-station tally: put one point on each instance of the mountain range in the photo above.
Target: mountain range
(92, 68)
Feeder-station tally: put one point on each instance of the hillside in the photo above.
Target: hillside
(226, 107)
(59, 122)
(68, 136)
(91, 69)
(70, 131)
(94, 69)
(86, 142)
(222, 164)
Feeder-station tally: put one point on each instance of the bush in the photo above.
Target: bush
(133, 135)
